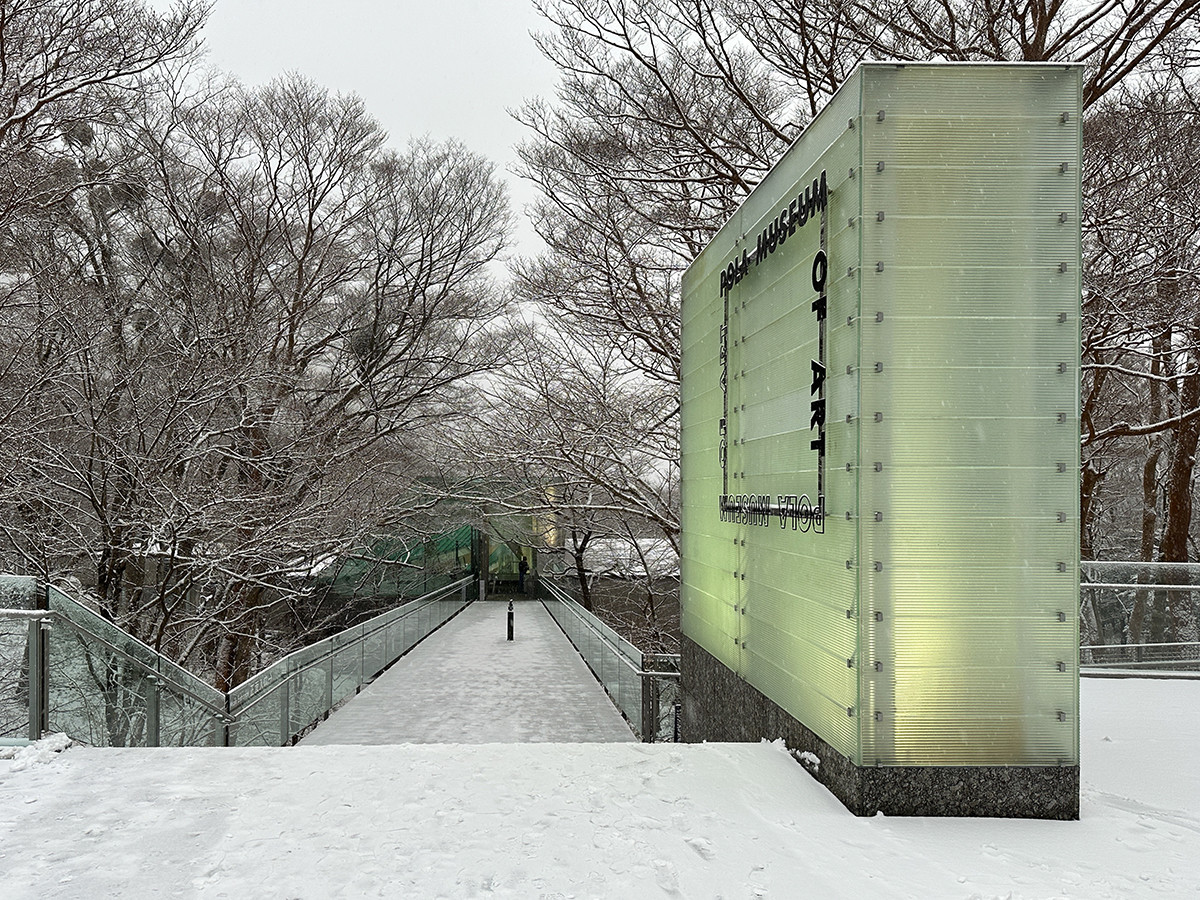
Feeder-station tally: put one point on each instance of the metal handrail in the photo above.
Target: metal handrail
(1116, 580)
(163, 664)
(1142, 664)
(650, 696)
(1131, 656)
(159, 675)
(1100, 567)
(1139, 586)
(1139, 646)
(1115, 649)
(1134, 563)
(562, 596)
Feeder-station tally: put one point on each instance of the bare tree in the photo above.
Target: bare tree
(575, 436)
(817, 44)
(67, 64)
(1141, 350)
(242, 325)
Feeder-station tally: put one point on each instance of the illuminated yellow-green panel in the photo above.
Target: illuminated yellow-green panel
(880, 427)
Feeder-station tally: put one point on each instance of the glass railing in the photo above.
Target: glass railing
(1180, 655)
(67, 669)
(1139, 615)
(279, 704)
(105, 688)
(16, 627)
(644, 687)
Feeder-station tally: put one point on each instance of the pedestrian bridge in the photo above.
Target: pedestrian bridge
(468, 684)
(436, 669)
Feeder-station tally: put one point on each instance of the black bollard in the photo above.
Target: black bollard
(510, 620)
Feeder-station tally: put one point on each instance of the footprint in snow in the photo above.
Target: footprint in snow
(702, 846)
(666, 875)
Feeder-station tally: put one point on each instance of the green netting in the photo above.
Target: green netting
(390, 569)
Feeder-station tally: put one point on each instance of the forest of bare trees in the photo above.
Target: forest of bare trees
(237, 321)
(230, 317)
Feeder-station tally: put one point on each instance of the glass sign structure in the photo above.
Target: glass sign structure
(880, 438)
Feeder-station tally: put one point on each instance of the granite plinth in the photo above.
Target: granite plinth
(720, 706)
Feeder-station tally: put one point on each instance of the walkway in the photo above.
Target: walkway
(466, 684)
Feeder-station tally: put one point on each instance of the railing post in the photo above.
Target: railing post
(362, 662)
(39, 678)
(329, 685)
(152, 708)
(649, 709)
(285, 712)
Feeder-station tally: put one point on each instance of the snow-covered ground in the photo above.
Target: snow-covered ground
(587, 820)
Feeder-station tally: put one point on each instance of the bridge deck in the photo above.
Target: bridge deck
(467, 684)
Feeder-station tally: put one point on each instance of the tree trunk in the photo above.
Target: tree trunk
(1178, 497)
(227, 653)
(579, 546)
(1149, 527)
(1160, 343)
(1089, 481)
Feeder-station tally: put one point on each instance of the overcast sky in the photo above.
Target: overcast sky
(446, 68)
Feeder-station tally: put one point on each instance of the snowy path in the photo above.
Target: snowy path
(609, 821)
(467, 684)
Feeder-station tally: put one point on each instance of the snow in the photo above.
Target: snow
(556, 820)
(42, 751)
(468, 684)
(810, 761)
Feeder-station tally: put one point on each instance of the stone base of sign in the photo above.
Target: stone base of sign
(720, 706)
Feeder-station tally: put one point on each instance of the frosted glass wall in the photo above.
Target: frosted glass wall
(880, 430)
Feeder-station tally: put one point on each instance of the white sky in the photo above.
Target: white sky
(446, 68)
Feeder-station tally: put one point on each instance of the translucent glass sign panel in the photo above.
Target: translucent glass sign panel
(880, 430)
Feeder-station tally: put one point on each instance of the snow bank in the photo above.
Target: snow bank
(590, 820)
(37, 753)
